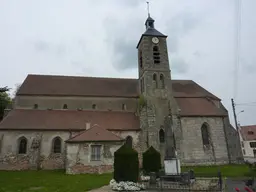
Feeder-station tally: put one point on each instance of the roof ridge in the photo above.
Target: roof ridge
(79, 76)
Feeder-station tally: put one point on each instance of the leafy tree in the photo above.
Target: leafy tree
(5, 100)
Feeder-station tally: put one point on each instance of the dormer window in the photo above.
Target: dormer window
(65, 106)
(35, 106)
(123, 107)
(94, 106)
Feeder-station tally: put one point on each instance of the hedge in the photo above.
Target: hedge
(151, 160)
(126, 164)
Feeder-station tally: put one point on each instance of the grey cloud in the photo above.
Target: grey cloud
(180, 25)
(179, 65)
(41, 46)
(126, 57)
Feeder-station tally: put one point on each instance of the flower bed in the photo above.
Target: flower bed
(126, 186)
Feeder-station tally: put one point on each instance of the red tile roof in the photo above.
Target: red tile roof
(68, 120)
(199, 107)
(95, 133)
(102, 87)
(248, 132)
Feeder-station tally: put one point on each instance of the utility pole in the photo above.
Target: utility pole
(234, 111)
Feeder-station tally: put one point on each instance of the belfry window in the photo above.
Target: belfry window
(156, 55)
(162, 81)
(161, 136)
(155, 80)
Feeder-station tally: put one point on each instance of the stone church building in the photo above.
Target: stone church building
(77, 123)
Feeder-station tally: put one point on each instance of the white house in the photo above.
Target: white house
(248, 142)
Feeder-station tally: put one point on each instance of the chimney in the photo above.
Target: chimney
(87, 126)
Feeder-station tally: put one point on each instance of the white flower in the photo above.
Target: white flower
(128, 186)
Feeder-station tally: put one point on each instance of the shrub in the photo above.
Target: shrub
(151, 160)
(126, 164)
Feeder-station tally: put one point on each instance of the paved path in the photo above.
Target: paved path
(232, 184)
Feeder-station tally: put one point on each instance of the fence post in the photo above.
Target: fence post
(220, 180)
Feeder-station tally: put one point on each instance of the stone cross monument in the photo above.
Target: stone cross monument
(171, 163)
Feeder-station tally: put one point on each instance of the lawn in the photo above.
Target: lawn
(50, 181)
(226, 170)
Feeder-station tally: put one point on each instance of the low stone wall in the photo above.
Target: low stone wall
(80, 169)
(15, 162)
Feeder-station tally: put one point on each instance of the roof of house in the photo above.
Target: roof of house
(199, 107)
(28, 119)
(95, 133)
(47, 85)
(248, 132)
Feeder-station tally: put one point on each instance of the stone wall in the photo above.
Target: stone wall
(79, 157)
(105, 103)
(39, 153)
(193, 151)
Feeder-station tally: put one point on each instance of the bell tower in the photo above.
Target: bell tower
(155, 88)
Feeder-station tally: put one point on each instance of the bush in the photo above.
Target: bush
(151, 160)
(126, 164)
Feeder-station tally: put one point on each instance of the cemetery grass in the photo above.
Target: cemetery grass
(50, 181)
(238, 171)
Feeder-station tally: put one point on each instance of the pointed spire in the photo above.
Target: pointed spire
(149, 22)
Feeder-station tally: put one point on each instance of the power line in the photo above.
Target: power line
(237, 45)
(249, 103)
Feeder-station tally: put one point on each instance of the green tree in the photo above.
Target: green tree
(5, 100)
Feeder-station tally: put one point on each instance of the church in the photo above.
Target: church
(77, 123)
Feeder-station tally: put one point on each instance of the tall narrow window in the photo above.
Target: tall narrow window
(161, 136)
(156, 55)
(95, 152)
(140, 59)
(155, 80)
(65, 106)
(128, 141)
(123, 107)
(205, 134)
(56, 145)
(162, 81)
(94, 106)
(22, 145)
(35, 106)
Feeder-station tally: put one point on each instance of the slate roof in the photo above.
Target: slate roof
(48, 85)
(95, 133)
(29, 119)
(248, 132)
(199, 107)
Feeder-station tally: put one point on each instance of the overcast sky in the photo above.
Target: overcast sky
(99, 38)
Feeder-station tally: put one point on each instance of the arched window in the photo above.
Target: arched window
(156, 55)
(94, 106)
(56, 145)
(128, 141)
(161, 136)
(123, 107)
(162, 81)
(22, 145)
(155, 80)
(140, 59)
(35, 106)
(65, 106)
(205, 134)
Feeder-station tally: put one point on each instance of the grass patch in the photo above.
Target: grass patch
(50, 181)
(226, 170)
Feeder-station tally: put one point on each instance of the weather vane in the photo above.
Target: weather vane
(148, 8)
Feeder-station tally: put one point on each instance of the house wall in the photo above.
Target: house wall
(248, 150)
(102, 103)
(193, 152)
(79, 157)
(41, 157)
